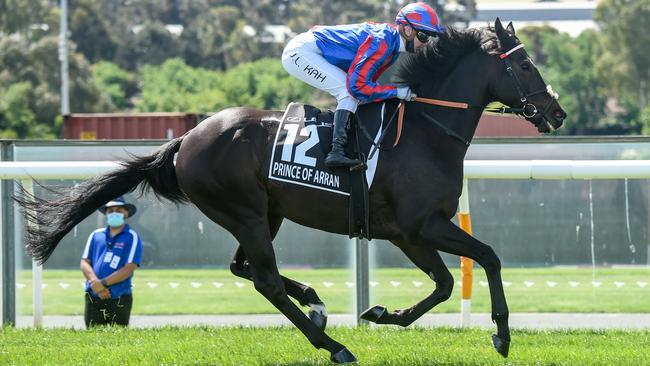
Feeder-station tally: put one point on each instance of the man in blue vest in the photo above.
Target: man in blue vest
(109, 259)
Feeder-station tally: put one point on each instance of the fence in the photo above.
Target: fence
(534, 169)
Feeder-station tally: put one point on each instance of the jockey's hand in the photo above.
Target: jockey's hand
(405, 93)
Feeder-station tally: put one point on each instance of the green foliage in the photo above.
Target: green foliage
(263, 84)
(644, 118)
(535, 38)
(569, 67)
(175, 86)
(91, 32)
(116, 82)
(19, 15)
(624, 25)
(33, 63)
(206, 39)
(151, 43)
(224, 57)
(16, 118)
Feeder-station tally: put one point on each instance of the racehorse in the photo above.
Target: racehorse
(222, 163)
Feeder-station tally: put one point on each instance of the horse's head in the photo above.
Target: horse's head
(520, 85)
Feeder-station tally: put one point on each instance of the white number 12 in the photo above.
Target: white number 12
(301, 150)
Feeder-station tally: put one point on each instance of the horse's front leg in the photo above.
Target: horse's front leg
(449, 238)
(429, 261)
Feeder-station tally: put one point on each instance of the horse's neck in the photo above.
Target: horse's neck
(468, 83)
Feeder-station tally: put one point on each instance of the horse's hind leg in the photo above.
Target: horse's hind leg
(247, 219)
(255, 238)
(430, 262)
(305, 295)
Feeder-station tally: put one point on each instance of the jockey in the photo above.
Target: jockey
(347, 60)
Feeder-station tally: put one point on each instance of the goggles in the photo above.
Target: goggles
(422, 37)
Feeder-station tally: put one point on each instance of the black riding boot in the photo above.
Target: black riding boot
(336, 157)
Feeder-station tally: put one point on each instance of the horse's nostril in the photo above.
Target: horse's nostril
(559, 115)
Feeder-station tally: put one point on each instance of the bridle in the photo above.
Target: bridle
(527, 109)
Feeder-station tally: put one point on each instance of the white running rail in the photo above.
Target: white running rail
(26, 172)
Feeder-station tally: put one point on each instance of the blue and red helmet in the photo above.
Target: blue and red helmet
(421, 17)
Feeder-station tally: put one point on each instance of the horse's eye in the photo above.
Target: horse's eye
(525, 66)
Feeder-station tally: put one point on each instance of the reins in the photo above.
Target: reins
(400, 121)
(438, 102)
(527, 109)
(448, 104)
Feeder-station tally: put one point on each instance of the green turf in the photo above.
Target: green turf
(231, 299)
(287, 346)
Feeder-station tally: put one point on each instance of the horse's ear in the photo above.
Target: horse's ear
(511, 28)
(498, 27)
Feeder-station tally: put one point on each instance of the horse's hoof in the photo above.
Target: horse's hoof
(502, 346)
(343, 356)
(318, 318)
(374, 314)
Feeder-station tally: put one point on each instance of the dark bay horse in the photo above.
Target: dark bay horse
(222, 166)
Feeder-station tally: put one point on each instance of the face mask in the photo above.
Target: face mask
(115, 219)
(410, 46)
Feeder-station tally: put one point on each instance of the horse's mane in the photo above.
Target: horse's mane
(437, 59)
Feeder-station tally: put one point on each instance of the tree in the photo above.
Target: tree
(90, 31)
(264, 84)
(303, 15)
(32, 64)
(568, 64)
(18, 15)
(176, 87)
(645, 120)
(624, 24)
(535, 39)
(206, 39)
(151, 44)
(16, 116)
(115, 82)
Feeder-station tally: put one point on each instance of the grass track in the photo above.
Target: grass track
(230, 299)
(286, 346)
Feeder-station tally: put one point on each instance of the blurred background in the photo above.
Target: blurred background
(202, 56)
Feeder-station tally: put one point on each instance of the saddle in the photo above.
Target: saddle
(303, 140)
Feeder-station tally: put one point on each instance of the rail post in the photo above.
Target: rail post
(466, 264)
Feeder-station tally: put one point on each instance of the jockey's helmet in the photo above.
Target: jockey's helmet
(421, 17)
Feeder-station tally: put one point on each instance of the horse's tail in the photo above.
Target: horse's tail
(48, 221)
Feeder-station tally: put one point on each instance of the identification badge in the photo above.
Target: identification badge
(115, 261)
(108, 256)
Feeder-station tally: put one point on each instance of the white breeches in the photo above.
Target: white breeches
(302, 59)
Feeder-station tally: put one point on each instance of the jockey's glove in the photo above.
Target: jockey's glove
(405, 93)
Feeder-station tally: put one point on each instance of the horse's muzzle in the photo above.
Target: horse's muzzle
(558, 117)
(546, 123)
